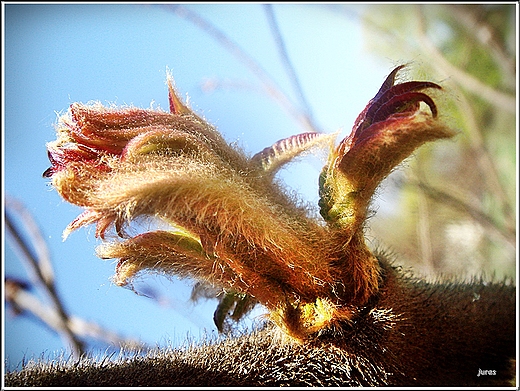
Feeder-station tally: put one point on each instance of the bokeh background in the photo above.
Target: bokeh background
(448, 211)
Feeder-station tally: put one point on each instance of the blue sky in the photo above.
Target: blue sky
(57, 54)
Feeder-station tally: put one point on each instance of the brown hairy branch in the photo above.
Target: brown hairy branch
(416, 334)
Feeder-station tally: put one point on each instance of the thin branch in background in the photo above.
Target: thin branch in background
(506, 236)
(18, 296)
(34, 253)
(424, 225)
(482, 155)
(491, 95)
(289, 68)
(487, 35)
(39, 262)
(211, 84)
(41, 269)
(467, 81)
(270, 86)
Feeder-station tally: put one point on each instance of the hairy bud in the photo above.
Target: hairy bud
(230, 224)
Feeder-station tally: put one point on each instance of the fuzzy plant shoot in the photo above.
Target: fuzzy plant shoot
(232, 226)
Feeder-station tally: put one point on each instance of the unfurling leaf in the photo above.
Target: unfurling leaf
(386, 132)
(272, 158)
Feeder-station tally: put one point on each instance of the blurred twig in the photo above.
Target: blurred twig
(467, 81)
(487, 35)
(35, 256)
(482, 155)
(273, 90)
(506, 235)
(424, 231)
(40, 268)
(289, 68)
(211, 84)
(18, 295)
